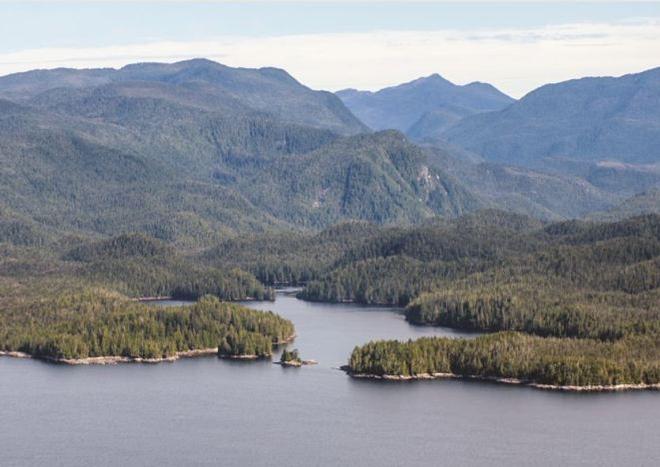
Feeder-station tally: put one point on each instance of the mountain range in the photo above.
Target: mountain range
(197, 83)
(194, 151)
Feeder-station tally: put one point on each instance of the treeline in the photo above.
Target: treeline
(393, 280)
(536, 306)
(120, 247)
(399, 264)
(97, 323)
(138, 265)
(289, 258)
(550, 361)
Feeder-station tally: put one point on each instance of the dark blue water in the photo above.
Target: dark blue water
(207, 411)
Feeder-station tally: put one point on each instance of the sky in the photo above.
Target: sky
(515, 46)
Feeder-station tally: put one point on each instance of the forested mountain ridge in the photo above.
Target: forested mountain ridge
(646, 202)
(542, 194)
(379, 177)
(73, 175)
(194, 151)
(134, 265)
(397, 265)
(587, 120)
(183, 153)
(555, 184)
(423, 106)
(268, 90)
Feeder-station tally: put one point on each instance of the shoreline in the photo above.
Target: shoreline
(287, 340)
(512, 381)
(115, 359)
(164, 298)
(152, 299)
(297, 363)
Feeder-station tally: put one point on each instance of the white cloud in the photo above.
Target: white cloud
(515, 60)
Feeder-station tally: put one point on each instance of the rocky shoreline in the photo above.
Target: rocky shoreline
(115, 359)
(297, 363)
(288, 340)
(516, 381)
(240, 357)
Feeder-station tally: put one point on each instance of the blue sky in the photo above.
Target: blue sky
(517, 46)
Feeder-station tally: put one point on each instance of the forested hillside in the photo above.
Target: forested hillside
(488, 247)
(75, 298)
(548, 195)
(204, 83)
(134, 265)
(646, 202)
(589, 119)
(378, 177)
(589, 292)
(193, 151)
(565, 150)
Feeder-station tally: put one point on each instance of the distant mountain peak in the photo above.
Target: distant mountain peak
(435, 77)
(432, 101)
(426, 81)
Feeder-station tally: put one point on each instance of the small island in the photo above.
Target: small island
(292, 358)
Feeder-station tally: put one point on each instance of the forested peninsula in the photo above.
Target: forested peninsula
(516, 358)
(98, 326)
(77, 301)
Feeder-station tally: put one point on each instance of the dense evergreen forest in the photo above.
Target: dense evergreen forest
(195, 179)
(634, 360)
(70, 298)
(583, 298)
(289, 258)
(133, 264)
(571, 303)
(98, 323)
(586, 293)
(400, 264)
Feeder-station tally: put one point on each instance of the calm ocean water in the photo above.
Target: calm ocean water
(207, 411)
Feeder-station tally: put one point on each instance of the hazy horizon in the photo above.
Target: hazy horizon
(368, 46)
